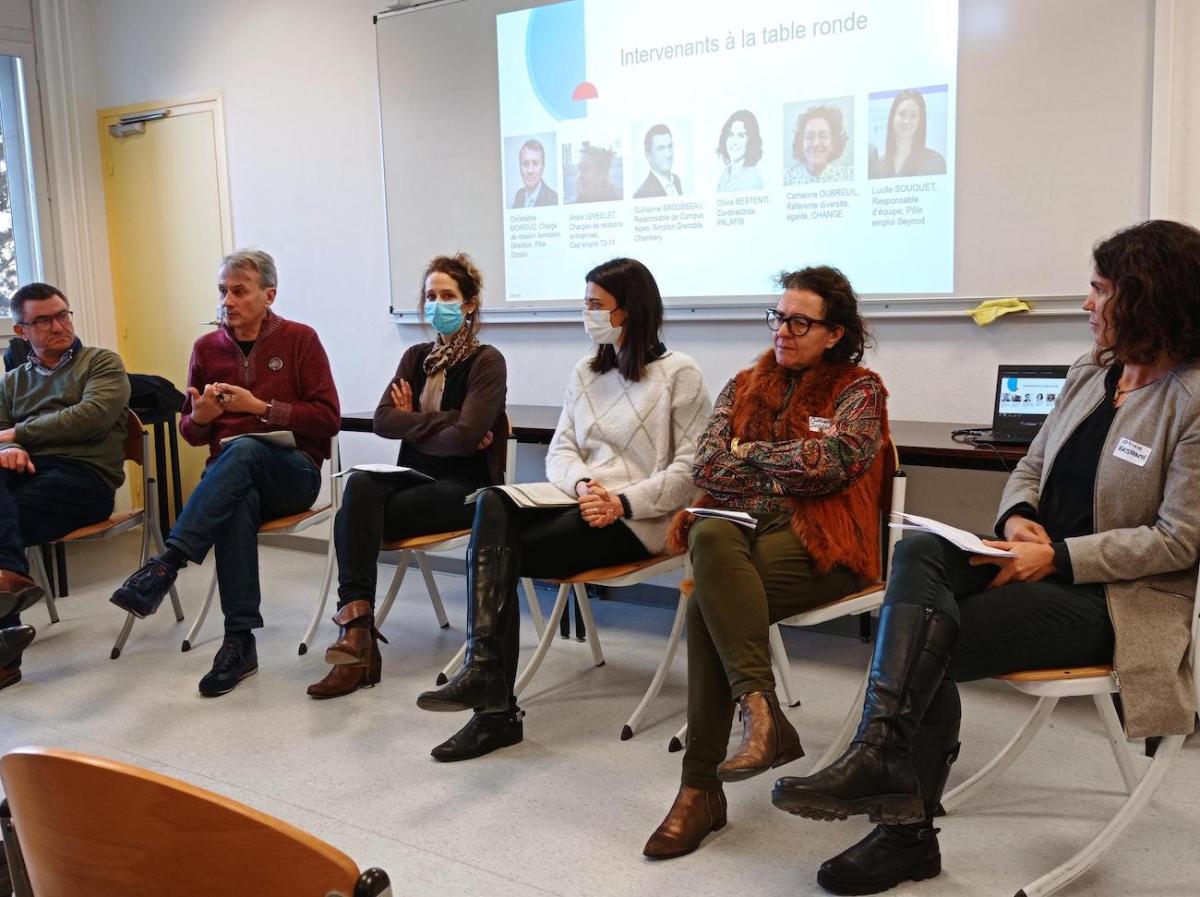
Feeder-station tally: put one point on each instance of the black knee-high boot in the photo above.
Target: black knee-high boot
(892, 854)
(482, 683)
(875, 775)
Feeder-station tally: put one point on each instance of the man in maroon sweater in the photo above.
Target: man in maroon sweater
(257, 373)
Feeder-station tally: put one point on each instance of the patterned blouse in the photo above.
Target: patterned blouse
(772, 471)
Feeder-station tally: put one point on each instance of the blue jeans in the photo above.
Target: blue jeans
(61, 496)
(248, 482)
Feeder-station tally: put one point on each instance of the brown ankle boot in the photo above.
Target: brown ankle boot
(694, 814)
(344, 678)
(768, 739)
(357, 634)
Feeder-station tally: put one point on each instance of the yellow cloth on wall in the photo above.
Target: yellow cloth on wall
(986, 312)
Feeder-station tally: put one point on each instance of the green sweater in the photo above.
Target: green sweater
(77, 411)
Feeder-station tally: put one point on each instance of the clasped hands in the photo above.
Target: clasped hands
(1034, 555)
(597, 505)
(218, 398)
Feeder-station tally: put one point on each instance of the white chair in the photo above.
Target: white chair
(1098, 683)
(863, 601)
(136, 448)
(293, 523)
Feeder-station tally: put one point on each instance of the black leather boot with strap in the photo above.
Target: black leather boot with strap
(875, 775)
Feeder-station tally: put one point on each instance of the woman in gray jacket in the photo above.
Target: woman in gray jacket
(1102, 520)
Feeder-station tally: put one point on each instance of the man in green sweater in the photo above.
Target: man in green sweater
(62, 438)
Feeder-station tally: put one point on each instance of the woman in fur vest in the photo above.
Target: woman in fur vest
(796, 441)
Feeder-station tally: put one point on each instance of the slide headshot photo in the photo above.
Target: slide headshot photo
(908, 132)
(593, 172)
(818, 141)
(666, 159)
(740, 147)
(529, 163)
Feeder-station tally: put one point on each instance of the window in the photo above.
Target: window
(20, 245)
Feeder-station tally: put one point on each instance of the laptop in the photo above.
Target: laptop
(1025, 394)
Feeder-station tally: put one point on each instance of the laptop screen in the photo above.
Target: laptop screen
(1024, 396)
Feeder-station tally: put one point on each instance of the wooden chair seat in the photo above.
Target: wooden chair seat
(104, 526)
(281, 523)
(419, 542)
(603, 573)
(1057, 674)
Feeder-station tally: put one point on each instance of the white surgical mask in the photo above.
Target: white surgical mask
(598, 324)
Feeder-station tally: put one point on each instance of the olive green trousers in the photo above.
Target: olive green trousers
(745, 580)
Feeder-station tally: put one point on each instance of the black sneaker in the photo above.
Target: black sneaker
(236, 659)
(143, 592)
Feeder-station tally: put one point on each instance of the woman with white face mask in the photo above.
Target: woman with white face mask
(446, 402)
(623, 448)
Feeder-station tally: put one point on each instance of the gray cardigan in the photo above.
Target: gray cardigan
(1147, 539)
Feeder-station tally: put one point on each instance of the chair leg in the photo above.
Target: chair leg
(846, 730)
(676, 743)
(152, 537)
(535, 609)
(122, 636)
(455, 662)
(203, 612)
(322, 597)
(585, 609)
(393, 589)
(37, 571)
(660, 674)
(780, 656)
(1116, 739)
(435, 596)
(1011, 751)
(1086, 858)
(560, 605)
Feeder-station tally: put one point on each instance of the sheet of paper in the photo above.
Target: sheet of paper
(741, 518)
(385, 468)
(284, 438)
(532, 495)
(959, 537)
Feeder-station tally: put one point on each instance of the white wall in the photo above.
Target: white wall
(299, 84)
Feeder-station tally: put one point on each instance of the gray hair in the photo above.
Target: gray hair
(253, 260)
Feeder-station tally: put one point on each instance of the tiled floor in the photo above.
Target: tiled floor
(567, 811)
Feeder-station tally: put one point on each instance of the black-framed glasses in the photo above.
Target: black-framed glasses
(45, 322)
(797, 325)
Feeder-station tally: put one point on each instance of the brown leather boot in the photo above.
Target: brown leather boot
(694, 814)
(357, 634)
(768, 739)
(345, 678)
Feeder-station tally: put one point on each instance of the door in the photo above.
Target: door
(167, 202)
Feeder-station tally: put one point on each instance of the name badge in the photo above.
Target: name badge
(1133, 452)
(819, 424)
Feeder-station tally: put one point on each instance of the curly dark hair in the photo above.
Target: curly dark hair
(841, 308)
(837, 129)
(1155, 307)
(754, 141)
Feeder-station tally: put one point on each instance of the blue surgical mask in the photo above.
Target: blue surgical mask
(445, 317)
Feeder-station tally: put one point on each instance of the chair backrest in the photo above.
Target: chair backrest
(891, 501)
(135, 439)
(96, 827)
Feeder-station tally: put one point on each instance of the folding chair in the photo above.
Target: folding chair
(136, 448)
(80, 825)
(1099, 683)
(293, 523)
(863, 601)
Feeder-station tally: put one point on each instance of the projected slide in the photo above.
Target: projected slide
(720, 143)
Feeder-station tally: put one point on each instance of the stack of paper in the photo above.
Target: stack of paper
(388, 469)
(741, 518)
(282, 438)
(532, 495)
(959, 537)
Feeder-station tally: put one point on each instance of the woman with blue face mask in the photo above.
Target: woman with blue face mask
(622, 451)
(446, 404)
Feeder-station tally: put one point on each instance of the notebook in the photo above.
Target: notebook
(1025, 394)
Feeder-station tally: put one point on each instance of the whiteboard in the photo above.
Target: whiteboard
(1054, 105)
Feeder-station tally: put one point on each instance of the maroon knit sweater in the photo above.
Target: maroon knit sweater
(287, 367)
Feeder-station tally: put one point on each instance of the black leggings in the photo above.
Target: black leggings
(551, 543)
(1019, 626)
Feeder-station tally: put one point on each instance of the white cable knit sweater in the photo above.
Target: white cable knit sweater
(637, 439)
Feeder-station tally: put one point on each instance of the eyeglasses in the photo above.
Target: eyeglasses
(797, 325)
(45, 322)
